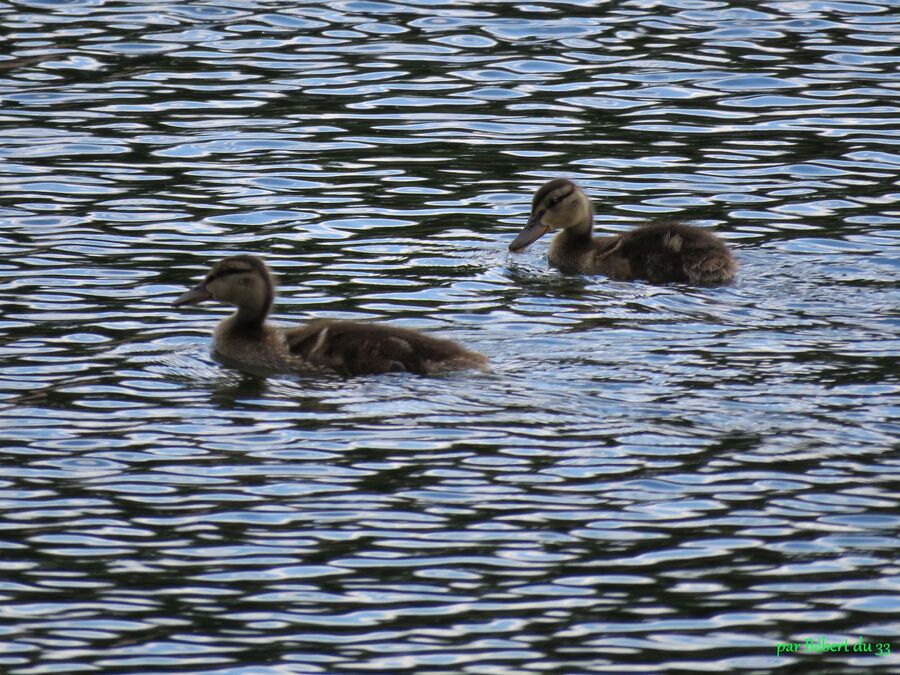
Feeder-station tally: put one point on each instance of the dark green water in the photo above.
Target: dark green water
(655, 479)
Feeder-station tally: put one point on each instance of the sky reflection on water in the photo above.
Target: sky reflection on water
(654, 478)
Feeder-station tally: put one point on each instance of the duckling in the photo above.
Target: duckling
(656, 252)
(322, 345)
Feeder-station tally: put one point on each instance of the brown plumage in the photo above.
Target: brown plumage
(322, 345)
(655, 252)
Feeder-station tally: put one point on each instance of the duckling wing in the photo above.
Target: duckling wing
(675, 252)
(353, 348)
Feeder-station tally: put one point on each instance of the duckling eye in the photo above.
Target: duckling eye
(553, 202)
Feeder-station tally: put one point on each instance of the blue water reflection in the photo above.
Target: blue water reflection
(654, 479)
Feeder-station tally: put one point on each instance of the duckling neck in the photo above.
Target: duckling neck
(570, 246)
(578, 234)
(249, 320)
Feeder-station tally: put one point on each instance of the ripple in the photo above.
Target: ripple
(653, 478)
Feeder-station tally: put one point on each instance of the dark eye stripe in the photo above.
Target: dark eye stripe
(557, 200)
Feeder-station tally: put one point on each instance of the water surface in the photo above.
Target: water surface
(654, 479)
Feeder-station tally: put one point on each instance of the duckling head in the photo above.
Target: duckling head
(557, 205)
(241, 280)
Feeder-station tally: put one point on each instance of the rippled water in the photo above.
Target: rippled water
(655, 479)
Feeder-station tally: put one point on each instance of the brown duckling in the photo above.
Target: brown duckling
(322, 345)
(656, 252)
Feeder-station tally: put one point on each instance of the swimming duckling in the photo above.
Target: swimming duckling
(322, 345)
(656, 252)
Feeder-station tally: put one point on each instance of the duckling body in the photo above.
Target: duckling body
(655, 252)
(322, 345)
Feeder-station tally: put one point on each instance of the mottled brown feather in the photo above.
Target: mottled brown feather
(353, 348)
(663, 253)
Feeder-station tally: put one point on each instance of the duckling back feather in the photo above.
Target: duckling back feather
(674, 252)
(353, 348)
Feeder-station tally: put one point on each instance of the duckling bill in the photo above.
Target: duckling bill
(322, 345)
(656, 252)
